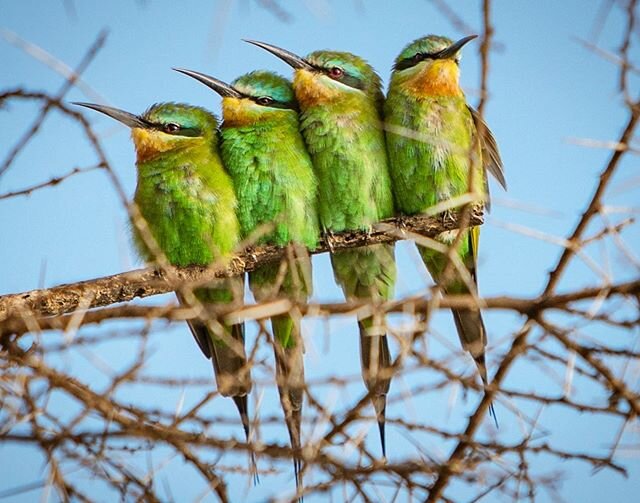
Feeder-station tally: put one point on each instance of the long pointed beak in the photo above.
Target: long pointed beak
(453, 49)
(290, 58)
(222, 88)
(126, 118)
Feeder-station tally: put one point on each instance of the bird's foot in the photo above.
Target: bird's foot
(368, 231)
(447, 217)
(402, 226)
(329, 238)
(250, 253)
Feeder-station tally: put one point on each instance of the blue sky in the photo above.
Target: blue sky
(546, 89)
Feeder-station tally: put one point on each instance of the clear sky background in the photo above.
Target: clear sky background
(545, 90)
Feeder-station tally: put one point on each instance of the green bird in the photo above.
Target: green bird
(341, 101)
(187, 200)
(435, 152)
(263, 149)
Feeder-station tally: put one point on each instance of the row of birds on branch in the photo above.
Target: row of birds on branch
(325, 151)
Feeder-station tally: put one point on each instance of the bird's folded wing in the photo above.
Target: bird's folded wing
(490, 154)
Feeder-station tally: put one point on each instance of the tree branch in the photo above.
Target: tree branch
(151, 281)
(18, 325)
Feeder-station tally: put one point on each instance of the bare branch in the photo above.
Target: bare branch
(145, 282)
(37, 123)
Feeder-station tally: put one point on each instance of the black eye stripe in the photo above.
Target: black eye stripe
(351, 81)
(345, 78)
(289, 105)
(265, 100)
(419, 57)
(170, 128)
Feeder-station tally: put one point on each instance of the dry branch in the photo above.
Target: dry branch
(146, 282)
(47, 107)
(172, 312)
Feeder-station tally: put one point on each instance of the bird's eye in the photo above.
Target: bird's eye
(417, 57)
(171, 127)
(336, 72)
(264, 100)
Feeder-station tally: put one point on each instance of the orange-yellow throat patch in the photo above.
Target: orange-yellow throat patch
(150, 143)
(311, 91)
(237, 112)
(437, 78)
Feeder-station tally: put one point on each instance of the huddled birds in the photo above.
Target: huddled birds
(294, 160)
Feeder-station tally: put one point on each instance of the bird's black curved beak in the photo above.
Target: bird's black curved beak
(453, 49)
(290, 58)
(126, 118)
(222, 88)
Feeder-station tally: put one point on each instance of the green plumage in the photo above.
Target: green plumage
(439, 158)
(187, 201)
(434, 168)
(433, 151)
(344, 137)
(277, 193)
(347, 146)
(271, 169)
(187, 205)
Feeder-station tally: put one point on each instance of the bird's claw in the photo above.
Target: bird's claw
(368, 231)
(329, 239)
(447, 217)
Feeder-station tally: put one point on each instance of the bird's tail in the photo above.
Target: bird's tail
(375, 362)
(289, 354)
(469, 323)
(242, 404)
(472, 333)
(473, 336)
(369, 273)
(232, 373)
(233, 377)
(226, 350)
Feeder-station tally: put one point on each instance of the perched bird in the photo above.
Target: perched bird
(440, 148)
(187, 200)
(341, 101)
(263, 149)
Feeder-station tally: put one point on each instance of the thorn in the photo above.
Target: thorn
(492, 413)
